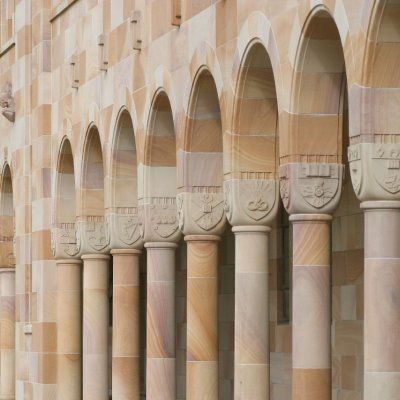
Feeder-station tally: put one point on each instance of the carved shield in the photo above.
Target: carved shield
(386, 168)
(257, 198)
(208, 210)
(128, 229)
(164, 220)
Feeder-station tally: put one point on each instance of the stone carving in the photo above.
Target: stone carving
(201, 212)
(256, 196)
(160, 220)
(124, 226)
(250, 201)
(310, 187)
(208, 210)
(375, 171)
(386, 167)
(64, 240)
(7, 102)
(97, 233)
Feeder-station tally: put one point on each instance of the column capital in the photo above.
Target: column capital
(159, 220)
(375, 171)
(64, 243)
(124, 226)
(311, 188)
(201, 213)
(251, 201)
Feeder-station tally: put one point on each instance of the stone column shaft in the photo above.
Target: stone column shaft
(381, 300)
(251, 313)
(161, 372)
(7, 334)
(69, 330)
(202, 317)
(311, 307)
(95, 327)
(126, 333)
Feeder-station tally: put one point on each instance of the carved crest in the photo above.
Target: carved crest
(64, 240)
(318, 183)
(164, 220)
(208, 210)
(97, 233)
(128, 228)
(257, 198)
(7, 101)
(386, 167)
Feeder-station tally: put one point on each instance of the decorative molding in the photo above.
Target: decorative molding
(200, 213)
(375, 171)
(124, 227)
(7, 102)
(251, 201)
(159, 219)
(64, 241)
(310, 187)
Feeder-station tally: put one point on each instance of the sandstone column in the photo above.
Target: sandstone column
(125, 339)
(251, 313)
(93, 237)
(202, 220)
(311, 307)
(375, 174)
(161, 373)
(251, 205)
(7, 333)
(381, 300)
(160, 234)
(95, 326)
(69, 329)
(69, 312)
(310, 193)
(202, 317)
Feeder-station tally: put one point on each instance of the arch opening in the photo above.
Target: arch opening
(320, 87)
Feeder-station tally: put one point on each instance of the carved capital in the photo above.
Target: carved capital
(64, 243)
(375, 171)
(159, 220)
(93, 235)
(124, 227)
(201, 213)
(311, 187)
(251, 201)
